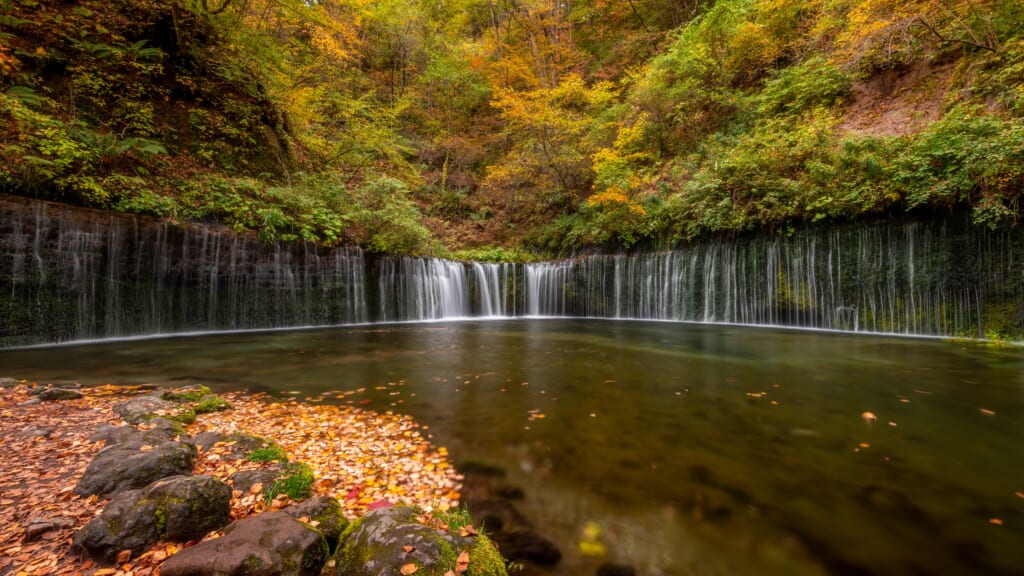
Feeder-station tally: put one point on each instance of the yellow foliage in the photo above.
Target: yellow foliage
(614, 199)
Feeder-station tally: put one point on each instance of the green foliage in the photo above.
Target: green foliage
(211, 403)
(387, 220)
(271, 452)
(296, 483)
(494, 254)
(186, 417)
(650, 122)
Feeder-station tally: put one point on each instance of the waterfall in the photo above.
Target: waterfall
(69, 273)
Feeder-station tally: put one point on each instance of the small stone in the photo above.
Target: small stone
(9, 382)
(56, 394)
(38, 526)
(35, 432)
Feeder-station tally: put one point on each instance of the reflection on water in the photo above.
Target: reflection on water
(700, 450)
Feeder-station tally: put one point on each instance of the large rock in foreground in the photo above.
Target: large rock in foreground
(134, 465)
(178, 509)
(386, 540)
(263, 545)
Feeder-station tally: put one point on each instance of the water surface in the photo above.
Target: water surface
(699, 450)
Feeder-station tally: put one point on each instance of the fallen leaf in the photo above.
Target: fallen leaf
(124, 556)
(408, 549)
(256, 488)
(987, 412)
(996, 521)
(409, 568)
(462, 564)
(468, 531)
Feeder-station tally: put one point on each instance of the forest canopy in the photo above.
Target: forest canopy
(483, 128)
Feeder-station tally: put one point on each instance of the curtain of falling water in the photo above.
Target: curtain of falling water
(69, 274)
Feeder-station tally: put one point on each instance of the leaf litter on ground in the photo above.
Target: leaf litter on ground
(362, 458)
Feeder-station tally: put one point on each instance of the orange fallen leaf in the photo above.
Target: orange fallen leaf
(256, 488)
(124, 556)
(468, 531)
(408, 569)
(996, 521)
(462, 564)
(408, 549)
(1020, 495)
(987, 412)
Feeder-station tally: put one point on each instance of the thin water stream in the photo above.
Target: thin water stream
(699, 450)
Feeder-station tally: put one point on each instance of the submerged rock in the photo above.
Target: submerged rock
(616, 570)
(263, 545)
(527, 545)
(386, 540)
(132, 465)
(178, 509)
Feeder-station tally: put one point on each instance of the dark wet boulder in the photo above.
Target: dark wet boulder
(143, 408)
(57, 394)
(132, 465)
(160, 430)
(179, 509)
(385, 540)
(323, 513)
(263, 545)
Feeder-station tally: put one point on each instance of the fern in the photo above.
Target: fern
(25, 95)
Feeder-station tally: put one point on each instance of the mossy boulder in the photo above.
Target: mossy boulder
(385, 540)
(267, 544)
(323, 513)
(178, 509)
(142, 408)
(134, 464)
(186, 394)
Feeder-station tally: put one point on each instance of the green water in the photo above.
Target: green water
(699, 450)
